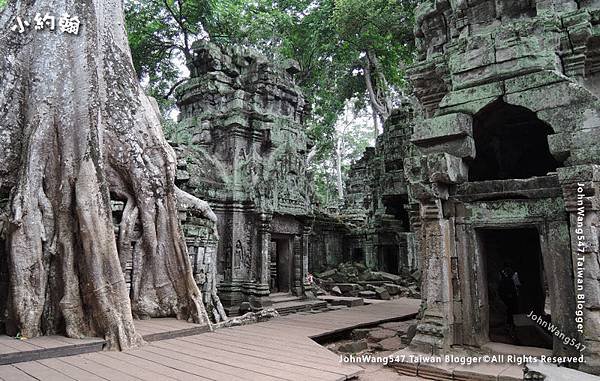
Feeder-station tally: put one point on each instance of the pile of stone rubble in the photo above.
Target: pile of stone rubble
(386, 337)
(356, 280)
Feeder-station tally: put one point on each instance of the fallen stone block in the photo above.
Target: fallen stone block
(382, 293)
(327, 274)
(401, 327)
(391, 344)
(379, 334)
(335, 290)
(353, 347)
(387, 276)
(393, 289)
(348, 287)
(360, 333)
(368, 294)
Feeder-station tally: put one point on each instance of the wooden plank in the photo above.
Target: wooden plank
(70, 370)
(20, 345)
(116, 363)
(93, 367)
(282, 356)
(183, 353)
(195, 371)
(242, 362)
(10, 373)
(31, 353)
(250, 343)
(155, 367)
(294, 340)
(285, 329)
(216, 371)
(41, 372)
(237, 354)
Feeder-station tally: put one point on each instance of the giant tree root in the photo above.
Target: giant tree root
(75, 130)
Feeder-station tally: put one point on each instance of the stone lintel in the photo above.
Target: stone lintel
(443, 128)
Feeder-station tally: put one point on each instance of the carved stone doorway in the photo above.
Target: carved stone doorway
(281, 255)
(516, 286)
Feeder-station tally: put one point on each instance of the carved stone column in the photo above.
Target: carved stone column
(308, 292)
(435, 330)
(430, 176)
(260, 291)
(298, 281)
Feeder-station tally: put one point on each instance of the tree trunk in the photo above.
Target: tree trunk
(377, 92)
(338, 172)
(75, 130)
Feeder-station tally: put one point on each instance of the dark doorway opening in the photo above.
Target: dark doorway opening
(396, 206)
(281, 264)
(510, 143)
(515, 286)
(358, 254)
(389, 258)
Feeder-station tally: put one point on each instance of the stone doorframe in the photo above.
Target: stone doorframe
(472, 322)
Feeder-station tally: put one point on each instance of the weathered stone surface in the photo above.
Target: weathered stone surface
(380, 334)
(382, 293)
(390, 344)
(368, 294)
(443, 128)
(242, 146)
(489, 71)
(353, 347)
(335, 290)
(401, 327)
(360, 333)
(392, 289)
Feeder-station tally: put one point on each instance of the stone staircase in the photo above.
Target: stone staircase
(287, 304)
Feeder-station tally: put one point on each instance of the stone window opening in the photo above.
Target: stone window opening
(510, 143)
(515, 285)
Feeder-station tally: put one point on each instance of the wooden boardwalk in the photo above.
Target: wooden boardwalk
(280, 349)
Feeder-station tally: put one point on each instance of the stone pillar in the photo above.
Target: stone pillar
(307, 293)
(258, 293)
(430, 176)
(581, 190)
(298, 282)
(435, 329)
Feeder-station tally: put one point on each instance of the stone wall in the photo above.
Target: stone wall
(510, 99)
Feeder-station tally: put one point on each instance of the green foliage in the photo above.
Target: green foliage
(160, 34)
(2, 4)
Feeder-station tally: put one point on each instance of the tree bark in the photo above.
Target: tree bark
(338, 171)
(75, 130)
(380, 101)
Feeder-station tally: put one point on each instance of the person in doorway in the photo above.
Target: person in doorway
(508, 291)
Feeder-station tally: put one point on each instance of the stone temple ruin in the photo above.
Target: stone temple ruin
(243, 119)
(497, 169)
(492, 173)
(504, 169)
(488, 171)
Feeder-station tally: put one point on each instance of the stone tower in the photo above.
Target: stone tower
(506, 170)
(242, 136)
